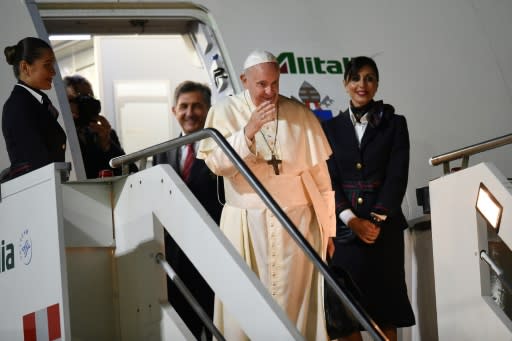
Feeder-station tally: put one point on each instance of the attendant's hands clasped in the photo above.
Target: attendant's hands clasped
(367, 231)
(264, 113)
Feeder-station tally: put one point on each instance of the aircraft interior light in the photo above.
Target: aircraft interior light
(70, 37)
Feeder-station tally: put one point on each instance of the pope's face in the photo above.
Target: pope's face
(262, 81)
(362, 87)
(191, 111)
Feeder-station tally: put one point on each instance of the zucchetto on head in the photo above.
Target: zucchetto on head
(258, 57)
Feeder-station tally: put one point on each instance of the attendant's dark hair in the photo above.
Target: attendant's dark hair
(76, 80)
(190, 86)
(356, 64)
(28, 49)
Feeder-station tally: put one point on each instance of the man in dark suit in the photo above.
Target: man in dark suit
(191, 104)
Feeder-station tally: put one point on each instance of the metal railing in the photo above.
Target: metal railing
(466, 152)
(500, 273)
(198, 309)
(346, 297)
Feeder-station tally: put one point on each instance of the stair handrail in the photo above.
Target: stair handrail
(346, 297)
(466, 152)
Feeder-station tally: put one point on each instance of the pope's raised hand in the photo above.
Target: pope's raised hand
(264, 113)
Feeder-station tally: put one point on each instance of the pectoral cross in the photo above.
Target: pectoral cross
(275, 163)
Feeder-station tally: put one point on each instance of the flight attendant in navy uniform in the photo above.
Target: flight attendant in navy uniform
(369, 170)
(33, 136)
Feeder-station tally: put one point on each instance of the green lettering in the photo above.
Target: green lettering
(346, 60)
(309, 65)
(318, 65)
(300, 61)
(333, 66)
(288, 59)
(288, 63)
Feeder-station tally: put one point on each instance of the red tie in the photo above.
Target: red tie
(189, 160)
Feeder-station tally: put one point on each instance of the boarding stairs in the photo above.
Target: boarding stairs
(83, 260)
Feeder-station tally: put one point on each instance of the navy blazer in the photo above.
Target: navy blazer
(33, 136)
(371, 177)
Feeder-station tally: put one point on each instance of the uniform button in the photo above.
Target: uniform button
(360, 200)
(359, 165)
(64, 146)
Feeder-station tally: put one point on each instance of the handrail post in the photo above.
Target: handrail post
(446, 167)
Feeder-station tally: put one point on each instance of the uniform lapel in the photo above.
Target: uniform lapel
(369, 135)
(375, 119)
(347, 127)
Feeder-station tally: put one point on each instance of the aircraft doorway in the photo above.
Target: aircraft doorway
(134, 78)
(134, 62)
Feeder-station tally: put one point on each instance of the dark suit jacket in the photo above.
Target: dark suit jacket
(372, 177)
(32, 134)
(203, 184)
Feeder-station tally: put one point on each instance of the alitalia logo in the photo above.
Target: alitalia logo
(291, 64)
(7, 258)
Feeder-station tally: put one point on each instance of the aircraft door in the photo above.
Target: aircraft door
(123, 57)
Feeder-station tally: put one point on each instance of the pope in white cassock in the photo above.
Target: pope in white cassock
(283, 144)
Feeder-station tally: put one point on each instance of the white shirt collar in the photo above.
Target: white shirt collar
(35, 94)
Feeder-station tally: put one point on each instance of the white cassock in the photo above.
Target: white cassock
(302, 189)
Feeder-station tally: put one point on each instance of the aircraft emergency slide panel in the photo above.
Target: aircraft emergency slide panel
(79, 260)
(471, 214)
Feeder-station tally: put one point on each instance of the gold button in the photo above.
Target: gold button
(64, 146)
(359, 200)
(359, 165)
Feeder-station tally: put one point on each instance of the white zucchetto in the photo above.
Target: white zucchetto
(258, 57)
